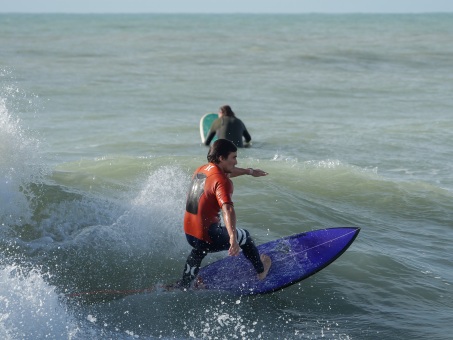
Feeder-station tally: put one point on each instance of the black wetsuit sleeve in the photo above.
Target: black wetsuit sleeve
(246, 135)
(210, 137)
(212, 131)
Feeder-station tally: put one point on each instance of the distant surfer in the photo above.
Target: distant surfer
(228, 126)
(210, 192)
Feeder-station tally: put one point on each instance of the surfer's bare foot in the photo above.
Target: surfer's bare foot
(267, 265)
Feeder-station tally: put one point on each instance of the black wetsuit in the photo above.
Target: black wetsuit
(230, 128)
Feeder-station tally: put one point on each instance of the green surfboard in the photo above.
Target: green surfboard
(205, 125)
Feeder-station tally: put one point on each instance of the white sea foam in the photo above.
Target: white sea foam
(30, 308)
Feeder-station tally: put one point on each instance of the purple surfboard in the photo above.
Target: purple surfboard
(294, 258)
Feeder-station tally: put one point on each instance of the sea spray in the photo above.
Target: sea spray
(20, 162)
(30, 308)
(159, 208)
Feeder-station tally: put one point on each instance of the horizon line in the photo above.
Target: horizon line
(228, 13)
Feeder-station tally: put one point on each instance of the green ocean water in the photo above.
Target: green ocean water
(349, 114)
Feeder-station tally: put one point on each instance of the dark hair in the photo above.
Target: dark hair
(226, 110)
(221, 147)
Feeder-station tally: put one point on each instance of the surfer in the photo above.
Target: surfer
(228, 126)
(210, 192)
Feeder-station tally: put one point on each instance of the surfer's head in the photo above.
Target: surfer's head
(220, 148)
(225, 110)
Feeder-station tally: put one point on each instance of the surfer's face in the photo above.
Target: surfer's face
(228, 164)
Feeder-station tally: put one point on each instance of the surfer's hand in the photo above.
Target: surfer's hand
(234, 249)
(257, 172)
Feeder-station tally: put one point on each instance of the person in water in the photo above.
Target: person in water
(228, 126)
(210, 192)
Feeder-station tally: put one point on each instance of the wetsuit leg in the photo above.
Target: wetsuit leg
(221, 241)
(192, 266)
(250, 251)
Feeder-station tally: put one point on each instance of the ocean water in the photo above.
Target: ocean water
(351, 115)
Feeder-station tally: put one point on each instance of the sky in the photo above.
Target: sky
(225, 6)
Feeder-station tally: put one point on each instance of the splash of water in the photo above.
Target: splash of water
(20, 162)
(30, 308)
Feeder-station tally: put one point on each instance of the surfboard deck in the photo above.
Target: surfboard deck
(294, 258)
(205, 125)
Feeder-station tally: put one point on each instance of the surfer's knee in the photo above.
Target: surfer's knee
(243, 237)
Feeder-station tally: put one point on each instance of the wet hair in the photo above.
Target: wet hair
(226, 111)
(221, 147)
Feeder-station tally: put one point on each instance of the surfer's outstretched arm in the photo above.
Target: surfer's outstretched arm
(248, 171)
